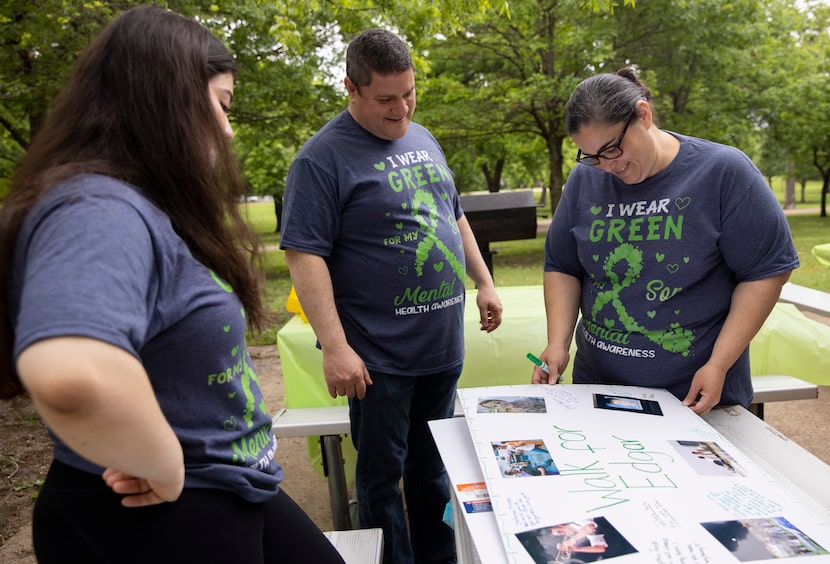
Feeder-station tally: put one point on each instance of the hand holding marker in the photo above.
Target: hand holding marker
(543, 365)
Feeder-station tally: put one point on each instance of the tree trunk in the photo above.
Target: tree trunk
(789, 187)
(493, 178)
(554, 143)
(278, 211)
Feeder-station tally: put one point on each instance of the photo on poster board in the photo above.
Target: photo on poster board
(512, 404)
(575, 542)
(763, 539)
(622, 403)
(524, 458)
(707, 458)
(474, 497)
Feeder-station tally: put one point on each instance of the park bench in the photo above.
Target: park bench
(806, 299)
(359, 546)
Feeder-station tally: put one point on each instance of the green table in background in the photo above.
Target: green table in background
(788, 343)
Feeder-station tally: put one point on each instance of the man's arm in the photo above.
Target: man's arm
(345, 372)
(489, 304)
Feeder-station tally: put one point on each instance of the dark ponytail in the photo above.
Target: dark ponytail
(606, 98)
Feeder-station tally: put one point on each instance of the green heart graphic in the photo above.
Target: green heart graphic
(443, 195)
(388, 214)
(226, 328)
(438, 266)
(232, 395)
(596, 210)
(403, 270)
(659, 257)
(677, 312)
(595, 257)
(404, 205)
(651, 313)
(399, 225)
(682, 202)
(686, 260)
(230, 424)
(380, 166)
(235, 350)
(609, 323)
(672, 268)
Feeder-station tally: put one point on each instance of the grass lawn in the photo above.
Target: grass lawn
(519, 263)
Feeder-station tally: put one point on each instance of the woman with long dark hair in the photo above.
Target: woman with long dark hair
(130, 281)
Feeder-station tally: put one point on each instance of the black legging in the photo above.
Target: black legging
(78, 519)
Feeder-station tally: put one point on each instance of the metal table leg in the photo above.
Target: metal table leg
(333, 467)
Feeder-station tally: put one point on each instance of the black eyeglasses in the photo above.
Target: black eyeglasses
(610, 152)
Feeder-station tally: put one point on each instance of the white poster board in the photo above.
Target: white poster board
(579, 473)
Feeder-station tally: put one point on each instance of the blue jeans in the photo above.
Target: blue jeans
(393, 440)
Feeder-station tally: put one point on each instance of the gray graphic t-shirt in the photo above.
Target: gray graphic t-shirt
(96, 259)
(383, 214)
(659, 260)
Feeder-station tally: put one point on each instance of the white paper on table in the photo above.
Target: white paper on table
(456, 448)
(650, 487)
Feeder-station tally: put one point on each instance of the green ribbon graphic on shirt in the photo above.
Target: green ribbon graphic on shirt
(429, 226)
(674, 339)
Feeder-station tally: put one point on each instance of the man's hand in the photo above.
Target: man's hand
(490, 309)
(345, 373)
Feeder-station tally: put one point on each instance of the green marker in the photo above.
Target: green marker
(542, 364)
(539, 362)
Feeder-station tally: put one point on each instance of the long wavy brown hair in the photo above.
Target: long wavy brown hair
(136, 107)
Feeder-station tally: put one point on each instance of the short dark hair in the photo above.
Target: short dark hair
(604, 98)
(376, 50)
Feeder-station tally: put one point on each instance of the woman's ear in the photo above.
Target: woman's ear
(644, 114)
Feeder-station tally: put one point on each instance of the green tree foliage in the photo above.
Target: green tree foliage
(794, 94)
(40, 41)
(698, 58)
(290, 56)
(493, 76)
(501, 82)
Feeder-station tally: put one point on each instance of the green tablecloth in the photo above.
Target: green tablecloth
(492, 359)
(822, 253)
(788, 343)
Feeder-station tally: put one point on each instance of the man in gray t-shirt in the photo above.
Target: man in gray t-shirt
(379, 250)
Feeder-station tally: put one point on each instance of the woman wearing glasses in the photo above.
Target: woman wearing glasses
(673, 249)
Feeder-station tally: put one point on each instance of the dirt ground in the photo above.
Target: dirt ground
(25, 452)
